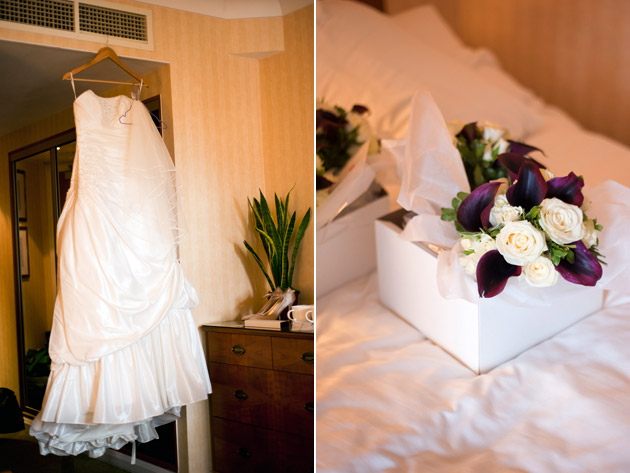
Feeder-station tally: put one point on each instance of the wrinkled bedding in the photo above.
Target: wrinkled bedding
(388, 399)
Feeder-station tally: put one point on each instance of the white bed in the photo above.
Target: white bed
(388, 399)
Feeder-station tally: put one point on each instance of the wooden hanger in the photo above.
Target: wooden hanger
(104, 53)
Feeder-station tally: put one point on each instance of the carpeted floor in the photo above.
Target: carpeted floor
(19, 453)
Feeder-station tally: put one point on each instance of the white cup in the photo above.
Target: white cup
(302, 313)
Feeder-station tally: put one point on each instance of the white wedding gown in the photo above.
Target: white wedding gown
(126, 353)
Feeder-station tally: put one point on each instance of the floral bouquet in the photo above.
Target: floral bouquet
(339, 135)
(529, 224)
(343, 142)
(479, 146)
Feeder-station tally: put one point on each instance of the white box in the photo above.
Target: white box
(346, 248)
(482, 335)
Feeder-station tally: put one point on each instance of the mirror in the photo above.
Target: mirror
(41, 178)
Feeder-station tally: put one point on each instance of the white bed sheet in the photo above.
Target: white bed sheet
(389, 400)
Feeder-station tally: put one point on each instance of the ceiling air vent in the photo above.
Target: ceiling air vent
(90, 20)
(110, 22)
(57, 14)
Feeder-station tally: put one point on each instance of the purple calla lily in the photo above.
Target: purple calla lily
(530, 188)
(469, 132)
(493, 272)
(474, 211)
(513, 162)
(584, 270)
(522, 148)
(567, 189)
(360, 109)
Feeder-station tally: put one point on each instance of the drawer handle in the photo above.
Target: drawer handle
(310, 407)
(238, 350)
(244, 453)
(308, 357)
(240, 395)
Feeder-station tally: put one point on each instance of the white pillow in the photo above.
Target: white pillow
(427, 25)
(364, 56)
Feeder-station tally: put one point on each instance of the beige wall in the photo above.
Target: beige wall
(225, 96)
(572, 53)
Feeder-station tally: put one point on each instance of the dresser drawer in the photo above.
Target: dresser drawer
(264, 398)
(293, 355)
(242, 394)
(294, 403)
(242, 350)
(241, 448)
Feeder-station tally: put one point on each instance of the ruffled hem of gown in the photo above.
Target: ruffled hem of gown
(74, 439)
(124, 395)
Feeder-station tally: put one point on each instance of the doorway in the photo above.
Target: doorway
(37, 104)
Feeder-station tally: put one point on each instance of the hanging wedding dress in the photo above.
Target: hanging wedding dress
(126, 353)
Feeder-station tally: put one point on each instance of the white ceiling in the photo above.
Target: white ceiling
(231, 9)
(30, 80)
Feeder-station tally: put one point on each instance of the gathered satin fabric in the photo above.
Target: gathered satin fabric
(126, 353)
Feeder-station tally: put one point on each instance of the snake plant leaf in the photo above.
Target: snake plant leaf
(260, 264)
(279, 215)
(266, 239)
(258, 224)
(285, 282)
(286, 207)
(298, 238)
(272, 231)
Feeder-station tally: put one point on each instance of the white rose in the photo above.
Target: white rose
(492, 133)
(499, 147)
(540, 272)
(520, 242)
(561, 221)
(590, 234)
(480, 245)
(503, 212)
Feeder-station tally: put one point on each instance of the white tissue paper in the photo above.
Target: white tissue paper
(354, 180)
(432, 174)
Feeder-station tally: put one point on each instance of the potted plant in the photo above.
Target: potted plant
(280, 247)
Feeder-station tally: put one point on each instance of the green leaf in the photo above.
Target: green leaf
(468, 252)
(279, 214)
(260, 264)
(448, 215)
(533, 213)
(272, 231)
(284, 284)
(298, 238)
(478, 176)
(258, 225)
(462, 195)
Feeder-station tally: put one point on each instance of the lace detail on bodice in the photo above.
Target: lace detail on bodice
(112, 110)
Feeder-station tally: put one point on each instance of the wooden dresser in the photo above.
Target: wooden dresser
(262, 400)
